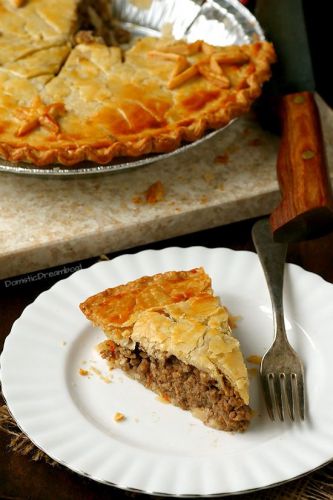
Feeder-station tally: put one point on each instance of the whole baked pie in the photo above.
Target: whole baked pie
(169, 332)
(66, 95)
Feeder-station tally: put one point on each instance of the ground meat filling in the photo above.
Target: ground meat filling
(183, 385)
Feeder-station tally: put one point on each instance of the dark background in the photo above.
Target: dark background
(319, 26)
(319, 29)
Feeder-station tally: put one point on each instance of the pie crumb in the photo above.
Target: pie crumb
(163, 399)
(119, 417)
(233, 321)
(223, 159)
(255, 142)
(83, 373)
(103, 257)
(97, 372)
(155, 192)
(254, 359)
(137, 199)
(208, 177)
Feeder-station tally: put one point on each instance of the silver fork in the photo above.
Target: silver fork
(281, 369)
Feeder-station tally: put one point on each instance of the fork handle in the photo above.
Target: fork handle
(272, 256)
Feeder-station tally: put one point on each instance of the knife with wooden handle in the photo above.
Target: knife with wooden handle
(306, 207)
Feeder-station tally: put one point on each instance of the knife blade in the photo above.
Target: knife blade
(306, 207)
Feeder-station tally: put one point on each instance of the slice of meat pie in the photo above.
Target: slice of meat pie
(169, 332)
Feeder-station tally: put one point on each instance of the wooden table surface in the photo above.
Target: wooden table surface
(22, 478)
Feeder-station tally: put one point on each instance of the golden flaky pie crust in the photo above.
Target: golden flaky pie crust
(65, 99)
(173, 314)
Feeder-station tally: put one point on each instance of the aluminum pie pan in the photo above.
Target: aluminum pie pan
(218, 22)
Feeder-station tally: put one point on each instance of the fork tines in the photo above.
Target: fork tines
(281, 391)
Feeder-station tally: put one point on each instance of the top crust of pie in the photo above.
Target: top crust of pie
(65, 103)
(173, 313)
(120, 306)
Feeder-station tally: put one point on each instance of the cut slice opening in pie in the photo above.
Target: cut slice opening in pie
(149, 98)
(170, 333)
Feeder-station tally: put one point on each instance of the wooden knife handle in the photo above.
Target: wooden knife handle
(306, 208)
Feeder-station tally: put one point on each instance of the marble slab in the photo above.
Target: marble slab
(46, 222)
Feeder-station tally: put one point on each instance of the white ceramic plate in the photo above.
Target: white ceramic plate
(161, 449)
